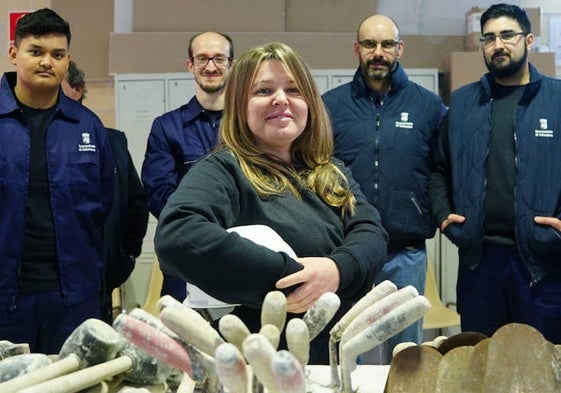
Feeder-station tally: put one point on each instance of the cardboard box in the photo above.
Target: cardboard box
(473, 19)
(535, 15)
(221, 15)
(472, 43)
(327, 16)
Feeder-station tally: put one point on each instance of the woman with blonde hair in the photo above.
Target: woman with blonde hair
(273, 167)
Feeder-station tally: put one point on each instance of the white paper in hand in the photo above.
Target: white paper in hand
(259, 234)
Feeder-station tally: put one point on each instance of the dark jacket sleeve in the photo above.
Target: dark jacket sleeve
(440, 185)
(125, 227)
(363, 253)
(159, 174)
(191, 241)
(137, 212)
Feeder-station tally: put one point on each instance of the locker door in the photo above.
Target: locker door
(139, 102)
(180, 91)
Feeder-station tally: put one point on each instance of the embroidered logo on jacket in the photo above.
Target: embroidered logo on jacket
(404, 121)
(543, 132)
(86, 146)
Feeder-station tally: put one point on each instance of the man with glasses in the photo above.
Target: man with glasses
(496, 189)
(181, 137)
(384, 127)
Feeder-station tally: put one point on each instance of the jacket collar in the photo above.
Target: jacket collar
(398, 81)
(191, 110)
(530, 90)
(8, 103)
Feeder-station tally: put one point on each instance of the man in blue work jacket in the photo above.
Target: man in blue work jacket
(56, 188)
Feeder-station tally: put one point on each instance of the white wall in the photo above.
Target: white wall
(431, 17)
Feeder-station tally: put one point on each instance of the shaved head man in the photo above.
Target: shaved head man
(383, 126)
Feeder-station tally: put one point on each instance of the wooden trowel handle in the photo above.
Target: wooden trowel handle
(82, 379)
(50, 371)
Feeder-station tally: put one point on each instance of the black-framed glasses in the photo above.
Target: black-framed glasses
(506, 37)
(218, 60)
(387, 45)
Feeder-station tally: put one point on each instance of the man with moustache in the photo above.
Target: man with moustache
(495, 188)
(384, 128)
(181, 137)
(56, 190)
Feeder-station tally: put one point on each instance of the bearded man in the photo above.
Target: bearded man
(495, 189)
(384, 129)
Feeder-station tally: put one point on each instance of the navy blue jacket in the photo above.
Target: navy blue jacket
(126, 225)
(177, 140)
(458, 184)
(388, 150)
(81, 177)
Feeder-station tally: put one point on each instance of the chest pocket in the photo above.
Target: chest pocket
(83, 169)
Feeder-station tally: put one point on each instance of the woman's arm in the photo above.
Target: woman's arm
(192, 242)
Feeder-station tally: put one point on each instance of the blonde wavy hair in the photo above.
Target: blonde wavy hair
(311, 151)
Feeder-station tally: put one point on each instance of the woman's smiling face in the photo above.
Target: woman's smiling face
(276, 112)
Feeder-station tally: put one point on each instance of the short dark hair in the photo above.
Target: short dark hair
(76, 78)
(41, 22)
(510, 11)
(226, 36)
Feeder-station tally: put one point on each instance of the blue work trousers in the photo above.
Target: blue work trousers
(43, 321)
(499, 291)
